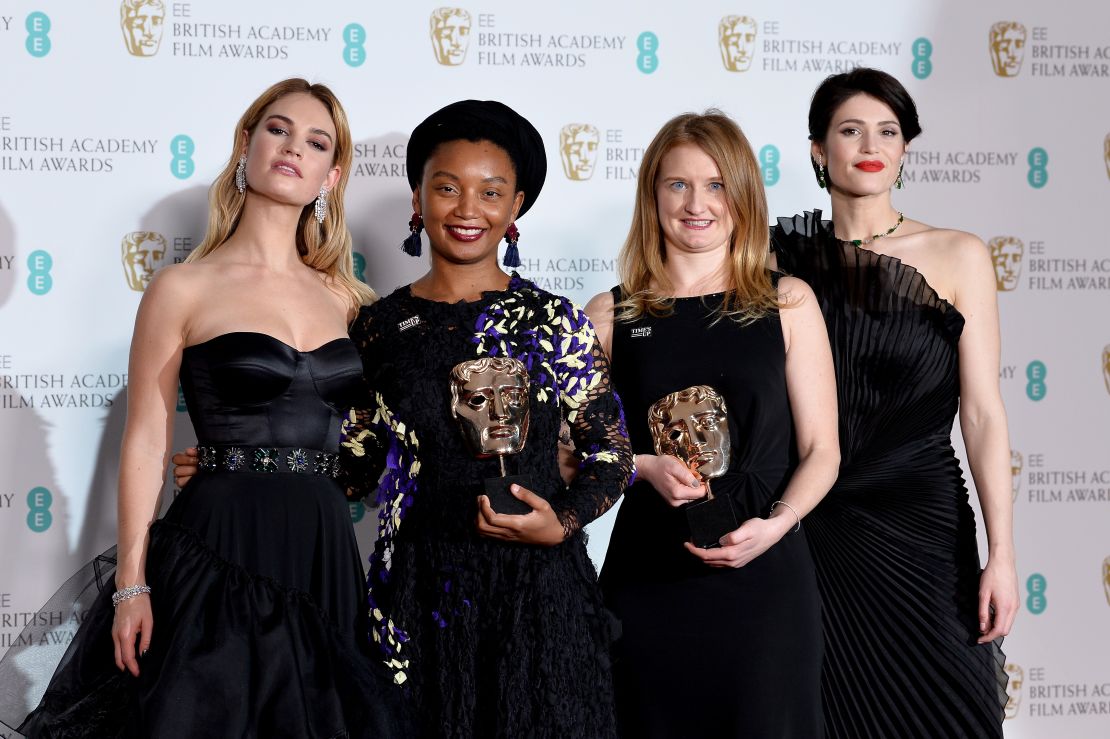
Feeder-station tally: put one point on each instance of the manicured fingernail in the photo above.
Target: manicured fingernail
(982, 626)
(515, 488)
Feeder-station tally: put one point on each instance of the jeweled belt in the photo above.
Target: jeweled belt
(241, 458)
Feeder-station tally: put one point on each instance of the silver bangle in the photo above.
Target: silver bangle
(797, 518)
(128, 593)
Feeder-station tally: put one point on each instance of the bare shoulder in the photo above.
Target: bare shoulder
(600, 307)
(794, 291)
(954, 248)
(176, 282)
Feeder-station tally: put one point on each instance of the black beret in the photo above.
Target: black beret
(483, 120)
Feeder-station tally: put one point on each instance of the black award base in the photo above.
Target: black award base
(501, 500)
(709, 520)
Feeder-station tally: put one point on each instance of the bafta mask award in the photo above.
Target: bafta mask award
(489, 398)
(692, 424)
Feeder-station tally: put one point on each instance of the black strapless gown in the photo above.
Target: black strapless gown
(260, 624)
(894, 541)
(708, 652)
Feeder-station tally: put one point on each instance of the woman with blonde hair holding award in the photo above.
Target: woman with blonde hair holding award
(732, 363)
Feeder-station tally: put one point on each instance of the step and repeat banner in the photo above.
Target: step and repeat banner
(115, 117)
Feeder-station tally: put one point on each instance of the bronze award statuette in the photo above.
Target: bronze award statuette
(489, 398)
(692, 424)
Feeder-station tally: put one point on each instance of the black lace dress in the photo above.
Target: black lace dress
(894, 540)
(712, 652)
(258, 597)
(493, 639)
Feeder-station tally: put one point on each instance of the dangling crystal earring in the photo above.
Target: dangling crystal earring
(411, 245)
(321, 205)
(241, 174)
(512, 255)
(820, 171)
(898, 181)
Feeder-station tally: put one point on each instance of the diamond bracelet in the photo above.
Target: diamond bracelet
(128, 593)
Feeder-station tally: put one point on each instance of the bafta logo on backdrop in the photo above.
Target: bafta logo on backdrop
(1106, 579)
(1007, 47)
(1015, 676)
(578, 145)
(1106, 153)
(1006, 253)
(1106, 366)
(1016, 463)
(736, 36)
(450, 35)
(141, 23)
(142, 255)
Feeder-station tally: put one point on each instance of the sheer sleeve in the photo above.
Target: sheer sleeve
(594, 415)
(362, 448)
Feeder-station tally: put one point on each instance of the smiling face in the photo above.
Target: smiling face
(863, 147)
(690, 196)
(489, 397)
(692, 424)
(290, 152)
(467, 198)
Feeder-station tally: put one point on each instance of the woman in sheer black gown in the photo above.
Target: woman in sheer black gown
(720, 642)
(493, 621)
(241, 613)
(912, 627)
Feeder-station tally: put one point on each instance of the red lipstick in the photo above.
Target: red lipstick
(871, 165)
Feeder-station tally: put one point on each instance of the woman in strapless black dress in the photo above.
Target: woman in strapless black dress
(241, 613)
(912, 626)
(726, 641)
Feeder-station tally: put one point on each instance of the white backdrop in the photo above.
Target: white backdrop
(113, 121)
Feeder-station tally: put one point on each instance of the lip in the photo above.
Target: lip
(465, 233)
(704, 458)
(286, 168)
(871, 165)
(697, 224)
(501, 432)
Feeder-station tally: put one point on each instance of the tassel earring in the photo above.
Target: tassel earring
(411, 245)
(321, 205)
(241, 174)
(512, 255)
(898, 181)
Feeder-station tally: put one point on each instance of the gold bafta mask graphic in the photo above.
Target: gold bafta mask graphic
(1106, 578)
(489, 398)
(692, 424)
(142, 253)
(578, 144)
(141, 22)
(450, 35)
(736, 36)
(1006, 253)
(1106, 366)
(1007, 47)
(1106, 153)
(1016, 463)
(1015, 677)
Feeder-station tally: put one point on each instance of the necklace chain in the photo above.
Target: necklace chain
(888, 232)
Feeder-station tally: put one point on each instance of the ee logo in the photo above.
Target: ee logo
(922, 65)
(1036, 585)
(354, 53)
(182, 165)
(647, 62)
(1035, 371)
(769, 163)
(38, 38)
(1038, 167)
(40, 263)
(39, 517)
(358, 511)
(359, 266)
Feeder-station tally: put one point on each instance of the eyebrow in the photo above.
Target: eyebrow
(455, 177)
(289, 120)
(857, 120)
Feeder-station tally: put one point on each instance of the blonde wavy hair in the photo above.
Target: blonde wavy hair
(644, 283)
(327, 246)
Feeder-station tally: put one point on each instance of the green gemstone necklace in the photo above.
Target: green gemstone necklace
(889, 231)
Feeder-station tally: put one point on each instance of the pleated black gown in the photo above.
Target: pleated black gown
(894, 541)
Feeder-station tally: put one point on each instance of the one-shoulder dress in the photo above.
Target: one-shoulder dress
(894, 540)
(258, 596)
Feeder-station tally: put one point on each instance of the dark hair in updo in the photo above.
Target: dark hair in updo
(838, 88)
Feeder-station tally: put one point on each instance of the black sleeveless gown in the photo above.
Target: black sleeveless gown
(894, 540)
(260, 625)
(709, 652)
